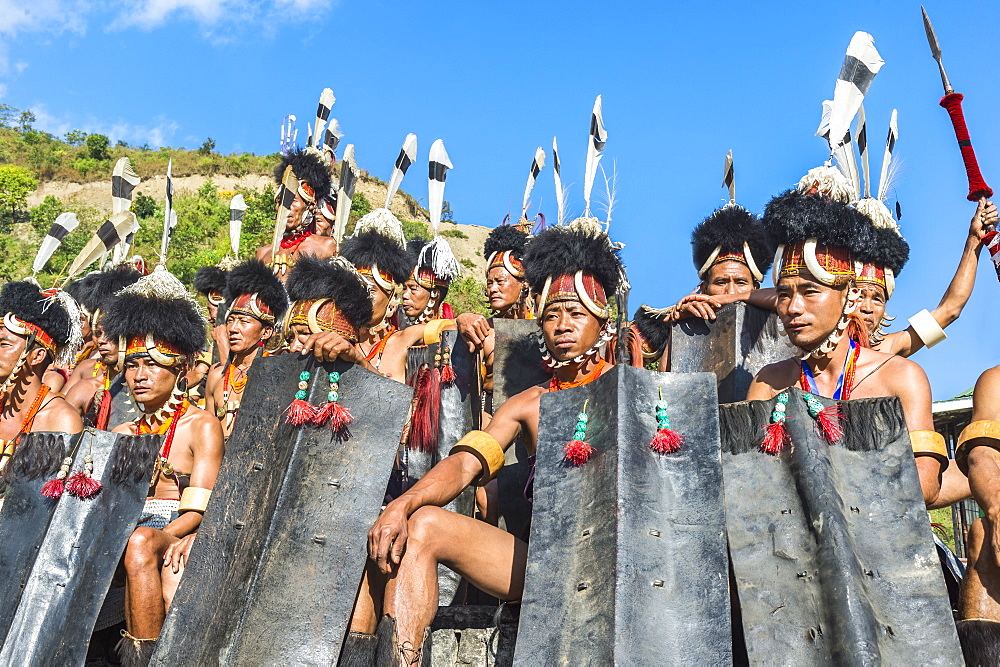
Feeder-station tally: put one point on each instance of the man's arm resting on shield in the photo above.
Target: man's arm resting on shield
(910, 384)
(442, 484)
(977, 449)
(208, 449)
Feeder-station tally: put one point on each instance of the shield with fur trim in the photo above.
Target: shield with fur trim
(283, 543)
(735, 346)
(81, 549)
(831, 548)
(627, 558)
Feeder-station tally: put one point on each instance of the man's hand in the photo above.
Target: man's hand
(220, 334)
(387, 538)
(984, 220)
(695, 305)
(177, 553)
(475, 329)
(330, 346)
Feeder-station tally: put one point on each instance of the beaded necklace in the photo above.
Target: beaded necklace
(169, 426)
(845, 383)
(376, 352)
(555, 384)
(7, 446)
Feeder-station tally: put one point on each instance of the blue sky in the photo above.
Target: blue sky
(682, 84)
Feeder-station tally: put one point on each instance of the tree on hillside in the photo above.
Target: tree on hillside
(97, 147)
(16, 183)
(144, 206)
(26, 120)
(75, 137)
(7, 115)
(43, 215)
(446, 214)
(207, 147)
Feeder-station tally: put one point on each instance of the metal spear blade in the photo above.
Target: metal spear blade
(932, 40)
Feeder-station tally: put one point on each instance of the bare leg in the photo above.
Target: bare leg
(368, 605)
(169, 581)
(490, 559)
(488, 503)
(979, 596)
(144, 608)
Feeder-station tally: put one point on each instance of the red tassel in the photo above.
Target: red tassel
(775, 438)
(427, 402)
(335, 415)
(82, 485)
(448, 375)
(577, 452)
(829, 420)
(666, 441)
(300, 412)
(53, 488)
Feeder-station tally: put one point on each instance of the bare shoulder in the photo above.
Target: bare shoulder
(772, 379)
(264, 253)
(203, 430)
(408, 337)
(58, 415)
(527, 399)
(986, 397)
(892, 366)
(319, 246)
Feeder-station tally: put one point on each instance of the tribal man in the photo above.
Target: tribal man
(164, 330)
(258, 303)
(37, 330)
(425, 290)
(821, 238)
(312, 172)
(91, 394)
(414, 534)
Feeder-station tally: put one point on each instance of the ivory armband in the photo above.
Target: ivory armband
(927, 328)
(929, 443)
(433, 329)
(984, 432)
(484, 447)
(194, 499)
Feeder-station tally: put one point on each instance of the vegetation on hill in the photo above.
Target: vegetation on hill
(29, 156)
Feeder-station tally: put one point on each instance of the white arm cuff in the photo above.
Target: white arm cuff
(927, 328)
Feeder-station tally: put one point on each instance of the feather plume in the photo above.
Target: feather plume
(439, 256)
(169, 215)
(237, 206)
(407, 156)
(557, 176)
(842, 150)
(288, 135)
(345, 191)
(123, 182)
(729, 177)
(611, 192)
(63, 225)
(286, 195)
(888, 169)
(332, 135)
(437, 172)
(595, 148)
(326, 102)
(861, 131)
(309, 134)
(110, 234)
(861, 64)
(536, 166)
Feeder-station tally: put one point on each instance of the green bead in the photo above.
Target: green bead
(579, 435)
(661, 405)
(305, 375)
(334, 376)
(664, 422)
(332, 396)
(301, 394)
(582, 418)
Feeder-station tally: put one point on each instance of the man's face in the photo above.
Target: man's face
(569, 329)
(323, 226)
(728, 278)
(150, 383)
(245, 332)
(871, 307)
(808, 309)
(297, 335)
(295, 212)
(415, 298)
(107, 348)
(380, 305)
(11, 347)
(502, 289)
(85, 329)
(214, 299)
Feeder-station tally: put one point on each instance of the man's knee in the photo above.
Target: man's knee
(143, 549)
(426, 525)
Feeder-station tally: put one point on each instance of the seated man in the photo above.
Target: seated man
(413, 535)
(164, 330)
(817, 300)
(36, 331)
(312, 171)
(732, 256)
(424, 291)
(258, 301)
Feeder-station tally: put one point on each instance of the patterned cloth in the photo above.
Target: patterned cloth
(158, 512)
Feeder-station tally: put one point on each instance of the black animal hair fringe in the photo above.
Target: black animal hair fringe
(741, 425)
(870, 423)
(133, 458)
(37, 455)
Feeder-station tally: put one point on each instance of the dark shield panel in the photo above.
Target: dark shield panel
(26, 513)
(123, 408)
(831, 547)
(742, 340)
(517, 365)
(217, 576)
(303, 593)
(80, 553)
(627, 559)
(455, 420)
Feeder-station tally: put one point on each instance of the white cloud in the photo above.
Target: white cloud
(209, 13)
(160, 133)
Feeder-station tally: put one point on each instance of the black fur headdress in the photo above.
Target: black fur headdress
(650, 323)
(85, 290)
(505, 237)
(566, 249)
(793, 217)
(368, 248)
(27, 303)
(253, 277)
(158, 305)
(728, 228)
(112, 281)
(210, 279)
(312, 278)
(308, 167)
